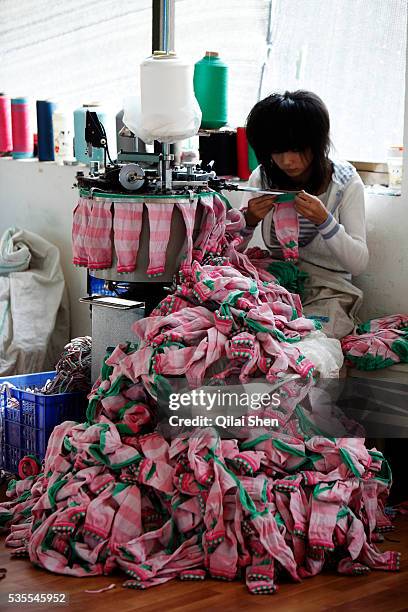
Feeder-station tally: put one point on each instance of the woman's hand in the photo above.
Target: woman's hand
(310, 207)
(258, 208)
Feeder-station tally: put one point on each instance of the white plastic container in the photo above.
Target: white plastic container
(394, 163)
(63, 127)
(168, 110)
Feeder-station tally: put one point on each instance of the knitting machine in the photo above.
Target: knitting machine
(146, 173)
(134, 172)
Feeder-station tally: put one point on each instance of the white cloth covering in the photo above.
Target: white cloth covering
(34, 307)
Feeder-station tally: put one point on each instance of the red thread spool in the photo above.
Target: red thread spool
(23, 143)
(242, 154)
(6, 139)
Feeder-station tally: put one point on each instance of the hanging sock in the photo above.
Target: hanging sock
(286, 222)
(206, 226)
(160, 213)
(188, 210)
(98, 239)
(80, 221)
(273, 541)
(127, 225)
(217, 240)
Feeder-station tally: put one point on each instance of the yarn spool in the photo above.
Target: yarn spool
(23, 142)
(220, 147)
(242, 154)
(211, 90)
(45, 130)
(6, 138)
(80, 146)
(169, 111)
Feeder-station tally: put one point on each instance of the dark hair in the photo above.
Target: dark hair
(293, 121)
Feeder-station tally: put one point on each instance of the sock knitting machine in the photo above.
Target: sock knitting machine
(140, 177)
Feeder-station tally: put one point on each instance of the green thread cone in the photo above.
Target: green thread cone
(211, 90)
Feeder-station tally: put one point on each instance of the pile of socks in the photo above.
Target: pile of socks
(379, 343)
(115, 493)
(218, 314)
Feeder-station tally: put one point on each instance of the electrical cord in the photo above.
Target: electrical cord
(99, 126)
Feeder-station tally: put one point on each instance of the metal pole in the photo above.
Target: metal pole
(163, 40)
(163, 25)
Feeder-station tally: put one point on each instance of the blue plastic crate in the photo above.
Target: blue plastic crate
(27, 427)
(29, 439)
(12, 456)
(37, 410)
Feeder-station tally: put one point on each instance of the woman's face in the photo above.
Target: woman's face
(295, 164)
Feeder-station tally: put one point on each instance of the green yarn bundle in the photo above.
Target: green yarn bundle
(289, 276)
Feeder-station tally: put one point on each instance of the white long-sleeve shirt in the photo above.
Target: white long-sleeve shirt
(338, 244)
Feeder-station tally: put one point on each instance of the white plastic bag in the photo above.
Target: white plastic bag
(324, 352)
(167, 110)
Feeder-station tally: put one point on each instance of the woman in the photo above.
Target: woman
(290, 136)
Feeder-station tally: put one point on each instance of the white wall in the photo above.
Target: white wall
(39, 197)
(385, 282)
(72, 50)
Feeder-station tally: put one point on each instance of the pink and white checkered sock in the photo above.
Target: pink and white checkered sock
(98, 237)
(207, 224)
(286, 223)
(127, 225)
(127, 523)
(188, 210)
(80, 221)
(160, 213)
(326, 503)
(274, 543)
